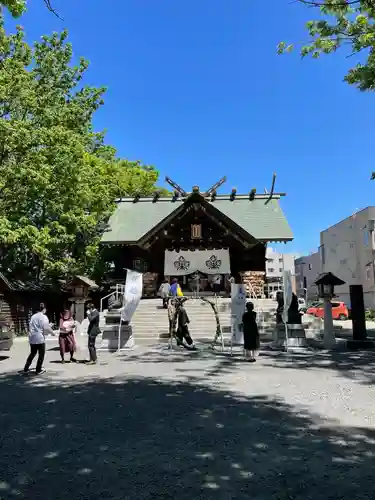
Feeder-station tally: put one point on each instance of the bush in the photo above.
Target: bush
(370, 314)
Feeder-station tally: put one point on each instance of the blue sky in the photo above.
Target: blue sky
(196, 89)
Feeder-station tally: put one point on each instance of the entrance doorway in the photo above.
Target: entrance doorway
(203, 284)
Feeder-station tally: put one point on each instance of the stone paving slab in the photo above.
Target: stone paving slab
(159, 424)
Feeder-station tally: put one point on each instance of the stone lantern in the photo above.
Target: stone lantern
(80, 288)
(326, 283)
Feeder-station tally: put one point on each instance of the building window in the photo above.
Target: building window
(271, 270)
(196, 231)
(280, 269)
(343, 262)
(322, 255)
(140, 265)
(280, 260)
(270, 261)
(310, 267)
(352, 245)
(366, 238)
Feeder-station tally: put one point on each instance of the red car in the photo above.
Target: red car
(339, 311)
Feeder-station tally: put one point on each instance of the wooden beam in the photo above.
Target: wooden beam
(215, 186)
(176, 186)
(272, 188)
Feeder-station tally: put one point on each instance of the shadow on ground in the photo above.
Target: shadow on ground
(139, 438)
(357, 365)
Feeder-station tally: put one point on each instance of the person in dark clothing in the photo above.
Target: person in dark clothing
(183, 327)
(93, 331)
(250, 332)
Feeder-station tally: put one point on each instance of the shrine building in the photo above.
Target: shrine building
(194, 235)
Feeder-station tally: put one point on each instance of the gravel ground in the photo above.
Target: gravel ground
(156, 424)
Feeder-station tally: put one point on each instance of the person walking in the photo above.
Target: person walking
(183, 332)
(164, 292)
(93, 331)
(38, 326)
(67, 341)
(250, 332)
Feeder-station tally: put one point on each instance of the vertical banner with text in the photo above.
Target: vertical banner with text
(132, 294)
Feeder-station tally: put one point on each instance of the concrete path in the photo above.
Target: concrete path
(153, 424)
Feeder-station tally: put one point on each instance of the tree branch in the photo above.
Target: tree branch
(51, 9)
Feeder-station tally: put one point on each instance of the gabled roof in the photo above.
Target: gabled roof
(262, 218)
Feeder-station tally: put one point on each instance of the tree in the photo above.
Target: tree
(58, 180)
(343, 23)
(18, 7)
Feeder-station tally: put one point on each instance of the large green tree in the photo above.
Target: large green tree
(18, 7)
(58, 180)
(347, 24)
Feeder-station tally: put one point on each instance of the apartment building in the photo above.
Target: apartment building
(347, 250)
(276, 263)
(307, 270)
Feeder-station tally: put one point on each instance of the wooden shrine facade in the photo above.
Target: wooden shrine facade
(142, 229)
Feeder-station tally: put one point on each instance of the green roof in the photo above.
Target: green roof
(264, 221)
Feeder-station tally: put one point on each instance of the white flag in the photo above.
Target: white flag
(132, 294)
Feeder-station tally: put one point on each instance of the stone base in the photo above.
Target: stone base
(110, 338)
(296, 337)
(354, 345)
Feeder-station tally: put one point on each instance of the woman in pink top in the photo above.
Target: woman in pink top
(67, 341)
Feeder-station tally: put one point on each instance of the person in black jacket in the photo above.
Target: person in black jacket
(250, 332)
(93, 331)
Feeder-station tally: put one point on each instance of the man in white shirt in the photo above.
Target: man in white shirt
(38, 324)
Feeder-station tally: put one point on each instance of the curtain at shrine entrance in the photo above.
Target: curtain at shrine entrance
(190, 261)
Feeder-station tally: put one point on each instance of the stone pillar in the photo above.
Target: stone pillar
(79, 306)
(296, 336)
(111, 331)
(329, 336)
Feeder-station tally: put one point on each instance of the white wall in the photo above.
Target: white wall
(347, 250)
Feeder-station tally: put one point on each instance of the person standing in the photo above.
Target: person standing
(216, 283)
(183, 332)
(38, 325)
(67, 341)
(93, 331)
(250, 332)
(175, 289)
(164, 292)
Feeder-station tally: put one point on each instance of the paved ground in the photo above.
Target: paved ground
(153, 424)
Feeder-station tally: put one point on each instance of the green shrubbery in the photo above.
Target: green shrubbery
(370, 314)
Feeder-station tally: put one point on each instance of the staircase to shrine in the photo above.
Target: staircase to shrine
(151, 326)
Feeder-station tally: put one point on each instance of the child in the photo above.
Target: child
(250, 332)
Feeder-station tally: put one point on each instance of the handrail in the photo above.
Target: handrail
(120, 289)
(103, 298)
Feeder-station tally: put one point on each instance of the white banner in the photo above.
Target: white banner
(132, 294)
(190, 261)
(288, 292)
(238, 306)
